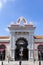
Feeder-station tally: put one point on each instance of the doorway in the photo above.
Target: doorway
(21, 42)
(2, 52)
(40, 52)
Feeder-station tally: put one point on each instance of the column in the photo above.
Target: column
(31, 46)
(12, 46)
(36, 54)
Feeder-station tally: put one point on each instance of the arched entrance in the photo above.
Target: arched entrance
(40, 52)
(21, 42)
(2, 52)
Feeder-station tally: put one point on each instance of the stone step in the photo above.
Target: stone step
(0, 63)
(41, 62)
(22, 63)
(10, 63)
(5, 63)
(14, 63)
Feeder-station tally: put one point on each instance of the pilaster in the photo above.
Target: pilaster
(12, 46)
(31, 46)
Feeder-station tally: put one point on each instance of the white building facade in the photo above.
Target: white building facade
(21, 37)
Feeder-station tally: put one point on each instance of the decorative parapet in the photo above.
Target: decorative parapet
(25, 26)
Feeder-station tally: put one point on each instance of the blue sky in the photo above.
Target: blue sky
(11, 10)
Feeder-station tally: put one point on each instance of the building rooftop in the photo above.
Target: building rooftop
(4, 37)
(38, 37)
(7, 37)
